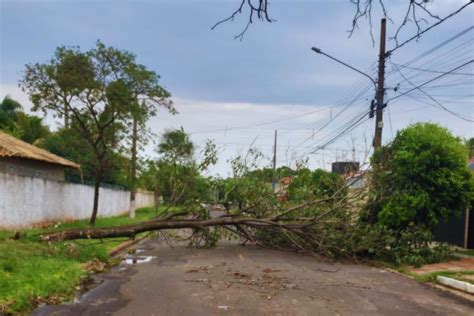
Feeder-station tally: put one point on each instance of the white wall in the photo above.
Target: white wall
(27, 201)
(144, 199)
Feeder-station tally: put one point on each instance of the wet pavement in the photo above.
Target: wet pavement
(236, 280)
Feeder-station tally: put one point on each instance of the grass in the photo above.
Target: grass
(33, 272)
(452, 274)
(466, 252)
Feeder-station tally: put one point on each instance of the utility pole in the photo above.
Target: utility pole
(274, 162)
(133, 175)
(379, 105)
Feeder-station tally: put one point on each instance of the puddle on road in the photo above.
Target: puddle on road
(86, 285)
(137, 259)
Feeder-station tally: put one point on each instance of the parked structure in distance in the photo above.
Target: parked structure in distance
(20, 158)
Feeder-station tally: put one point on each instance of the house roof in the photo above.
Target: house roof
(13, 147)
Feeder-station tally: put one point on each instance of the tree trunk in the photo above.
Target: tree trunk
(95, 207)
(133, 175)
(167, 223)
(66, 117)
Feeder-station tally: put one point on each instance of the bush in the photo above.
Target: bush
(420, 178)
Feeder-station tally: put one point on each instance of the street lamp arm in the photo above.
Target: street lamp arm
(318, 51)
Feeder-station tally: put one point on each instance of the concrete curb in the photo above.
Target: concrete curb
(457, 284)
(126, 245)
(438, 286)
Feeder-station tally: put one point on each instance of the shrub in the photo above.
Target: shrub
(420, 178)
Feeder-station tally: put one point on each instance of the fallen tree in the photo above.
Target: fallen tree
(322, 226)
(321, 216)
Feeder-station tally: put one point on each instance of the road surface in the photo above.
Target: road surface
(236, 280)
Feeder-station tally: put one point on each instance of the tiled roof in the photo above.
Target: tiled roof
(14, 147)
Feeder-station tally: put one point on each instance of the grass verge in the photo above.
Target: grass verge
(34, 272)
(431, 277)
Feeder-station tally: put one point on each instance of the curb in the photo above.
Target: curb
(457, 284)
(454, 291)
(126, 244)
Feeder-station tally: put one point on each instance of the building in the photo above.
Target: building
(33, 190)
(20, 158)
(345, 167)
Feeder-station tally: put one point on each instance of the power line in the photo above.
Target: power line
(429, 81)
(335, 116)
(433, 99)
(433, 71)
(283, 118)
(439, 61)
(442, 44)
(430, 27)
(344, 129)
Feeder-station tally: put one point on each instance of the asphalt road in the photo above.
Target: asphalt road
(236, 280)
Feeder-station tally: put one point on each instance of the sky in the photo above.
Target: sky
(237, 92)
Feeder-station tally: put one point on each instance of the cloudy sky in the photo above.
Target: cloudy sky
(239, 92)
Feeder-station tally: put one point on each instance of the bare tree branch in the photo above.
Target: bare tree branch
(260, 10)
(417, 12)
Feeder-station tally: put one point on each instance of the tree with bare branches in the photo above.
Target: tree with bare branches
(418, 12)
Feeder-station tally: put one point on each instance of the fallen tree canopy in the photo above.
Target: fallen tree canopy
(323, 226)
(326, 224)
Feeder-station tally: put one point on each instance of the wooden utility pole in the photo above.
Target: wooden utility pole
(133, 175)
(274, 162)
(380, 88)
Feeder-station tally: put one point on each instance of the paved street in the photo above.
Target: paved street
(236, 280)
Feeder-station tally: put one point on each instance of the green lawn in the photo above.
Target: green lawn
(466, 252)
(32, 272)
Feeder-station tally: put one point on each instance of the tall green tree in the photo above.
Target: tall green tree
(420, 178)
(176, 146)
(31, 129)
(13, 120)
(9, 110)
(177, 174)
(96, 92)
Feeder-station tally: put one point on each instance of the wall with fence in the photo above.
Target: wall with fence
(28, 201)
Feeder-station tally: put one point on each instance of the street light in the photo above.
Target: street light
(318, 51)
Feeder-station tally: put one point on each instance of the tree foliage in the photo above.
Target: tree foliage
(14, 121)
(177, 174)
(68, 143)
(97, 93)
(319, 183)
(420, 178)
(9, 110)
(176, 147)
(470, 146)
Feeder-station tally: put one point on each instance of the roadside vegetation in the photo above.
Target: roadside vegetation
(458, 275)
(414, 183)
(33, 272)
(417, 181)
